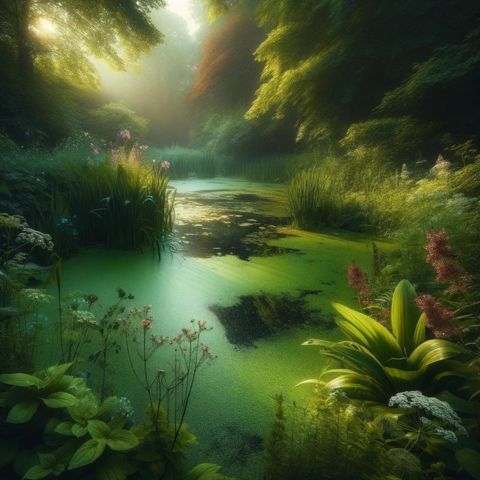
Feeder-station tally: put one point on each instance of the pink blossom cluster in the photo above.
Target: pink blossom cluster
(125, 134)
(357, 279)
(445, 262)
(437, 318)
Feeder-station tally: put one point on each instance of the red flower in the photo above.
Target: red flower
(445, 263)
(437, 318)
(357, 279)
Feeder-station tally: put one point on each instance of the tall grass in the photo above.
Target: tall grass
(119, 206)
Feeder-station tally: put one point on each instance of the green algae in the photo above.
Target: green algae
(236, 390)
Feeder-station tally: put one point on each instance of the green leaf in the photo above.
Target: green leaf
(22, 412)
(60, 400)
(20, 380)
(419, 333)
(47, 460)
(78, 430)
(205, 471)
(37, 472)
(368, 332)
(64, 428)
(404, 315)
(115, 467)
(122, 440)
(58, 370)
(87, 453)
(469, 460)
(98, 429)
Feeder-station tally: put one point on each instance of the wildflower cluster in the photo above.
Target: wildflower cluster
(430, 406)
(437, 318)
(125, 134)
(34, 238)
(35, 296)
(445, 262)
(357, 279)
(84, 317)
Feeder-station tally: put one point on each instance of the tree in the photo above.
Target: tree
(49, 45)
(335, 61)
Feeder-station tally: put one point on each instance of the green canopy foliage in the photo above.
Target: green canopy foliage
(338, 63)
(48, 49)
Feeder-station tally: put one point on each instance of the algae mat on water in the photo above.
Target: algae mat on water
(232, 400)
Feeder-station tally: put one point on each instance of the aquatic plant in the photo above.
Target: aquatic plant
(168, 392)
(53, 425)
(330, 439)
(120, 206)
(377, 363)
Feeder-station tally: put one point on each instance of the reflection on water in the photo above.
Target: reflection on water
(231, 406)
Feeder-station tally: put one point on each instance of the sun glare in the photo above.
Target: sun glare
(183, 8)
(44, 26)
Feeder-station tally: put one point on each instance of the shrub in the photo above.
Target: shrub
(376, 363)
(331, 439)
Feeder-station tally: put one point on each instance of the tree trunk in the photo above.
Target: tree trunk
(24, 42)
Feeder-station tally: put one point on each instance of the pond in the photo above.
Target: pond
(233, 248)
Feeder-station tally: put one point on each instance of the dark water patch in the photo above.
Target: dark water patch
(244, 234)
(234, 445)
(259, 316)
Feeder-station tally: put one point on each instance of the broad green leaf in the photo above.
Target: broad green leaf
(469, 460)
(22, 412)
(122, 440)
(404, 315)
(205, 471)
(433, 351)
(98, 429)
(87, 453)
(59, 370)
(64, 428)
(78, 430)
(115, 467)
(419, 333)
(47, 460)
(20, 380)
(37, 472)
(60, 400)
(368, 332)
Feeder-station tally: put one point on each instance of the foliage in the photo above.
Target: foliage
(48, 49)
(330, 439)
(376, 363)
(20, 316)
(121, 206)
(312, 64)
(113, 117)
(187, 162)
(54, 425)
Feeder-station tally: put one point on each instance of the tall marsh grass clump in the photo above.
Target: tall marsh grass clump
(318, 197)
(121, 206)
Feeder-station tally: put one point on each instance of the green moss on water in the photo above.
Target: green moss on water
(237, 389)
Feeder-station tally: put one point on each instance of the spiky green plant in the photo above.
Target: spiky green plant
(375, 363)
(120, 206)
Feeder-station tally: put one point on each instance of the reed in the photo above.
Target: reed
(120, 206)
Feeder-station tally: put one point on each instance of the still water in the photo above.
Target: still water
(231, 239)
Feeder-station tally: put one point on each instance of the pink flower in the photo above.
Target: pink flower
(437, 318)
(147, 323)
(125, 134)
(445, 263)
(165, 165)
(357, 279)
